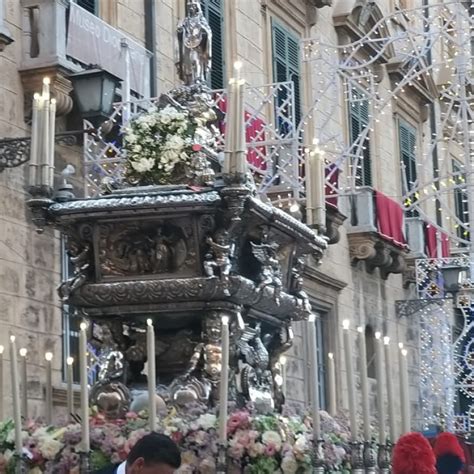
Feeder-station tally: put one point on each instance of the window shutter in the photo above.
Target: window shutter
(358, 122)
(407, 143)
(213, 11)
(286, 63)
(89, 5)
(408, 153)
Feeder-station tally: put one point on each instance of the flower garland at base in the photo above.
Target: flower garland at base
(263, 444)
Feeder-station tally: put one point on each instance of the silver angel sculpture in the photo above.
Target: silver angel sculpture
(254, 378)
(270, 275)
(194, 46)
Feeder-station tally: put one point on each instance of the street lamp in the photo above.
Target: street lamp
(452, 276)
(94, 90)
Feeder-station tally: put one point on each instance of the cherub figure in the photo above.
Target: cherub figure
(218, 259)
(79, 257)
(270, 275)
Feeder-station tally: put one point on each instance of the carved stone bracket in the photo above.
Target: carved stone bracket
(5, 39)
(334, 220)
(376, 252)
(61, 87)
(409, 273)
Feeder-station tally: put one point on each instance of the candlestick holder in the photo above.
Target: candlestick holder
(383, 458)
(370, 458)
(85, 462)
(357, 457)
(319, 465)
(21, 466)
(221, 459)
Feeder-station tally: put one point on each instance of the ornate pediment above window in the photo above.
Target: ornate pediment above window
(375, 233)
(355, 19)
(423, 84)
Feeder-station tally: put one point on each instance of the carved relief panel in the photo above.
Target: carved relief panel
(146, 249)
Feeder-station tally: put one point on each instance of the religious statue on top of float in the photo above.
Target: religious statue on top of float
(194, 46)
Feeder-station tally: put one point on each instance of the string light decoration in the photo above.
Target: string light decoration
(437, 380)
(273, 145)
(429, 49)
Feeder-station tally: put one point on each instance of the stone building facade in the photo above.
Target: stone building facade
(353, 282)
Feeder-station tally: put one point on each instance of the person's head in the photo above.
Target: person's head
(449, 454)
(154, 454)
(413, 455)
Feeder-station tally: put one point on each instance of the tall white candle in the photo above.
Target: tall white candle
(69, 381)
(390, 395)
(229, 128)
(83, 376)
(404, 390)
(283, 362)
(380, 385)
(241, 146)
(318, 185)
(16, 396)
(314, 376)
(51, 142)
(45, 146)
(332, 404)
(49, 387)
(46, 92)
(350, 379)
(364, 383)
(224, 381)
(35, 130)
(2, 395)
(24, 382)
(309, 187)
(150, 344)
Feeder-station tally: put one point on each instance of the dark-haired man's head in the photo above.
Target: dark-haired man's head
(154, 454)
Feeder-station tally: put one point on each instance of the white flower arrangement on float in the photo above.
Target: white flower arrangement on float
(161, 144)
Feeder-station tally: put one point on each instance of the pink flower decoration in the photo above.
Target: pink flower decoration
(238, 420)
(196, 147)
(270, 450)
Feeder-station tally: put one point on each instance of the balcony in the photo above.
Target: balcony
(59, 38)
(425, 240)
(376, 234)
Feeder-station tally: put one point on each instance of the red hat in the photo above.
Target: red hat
(449, 454)
(413, 455)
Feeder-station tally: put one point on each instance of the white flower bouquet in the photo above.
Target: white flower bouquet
(161, 144)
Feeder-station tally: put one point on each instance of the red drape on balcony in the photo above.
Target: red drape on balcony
(390, 219)
(254, 132)
(431, 239)
(332, 183)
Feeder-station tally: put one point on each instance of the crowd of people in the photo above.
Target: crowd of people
(413, 454)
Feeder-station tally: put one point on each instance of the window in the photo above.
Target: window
(70, 322)
(286, 65)
(213, 11)
(91, 6)
(461, 204)
(359, 137)
(321, 348)
(407, 144)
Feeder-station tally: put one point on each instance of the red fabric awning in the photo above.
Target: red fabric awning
(390, 220)
(432, 234)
